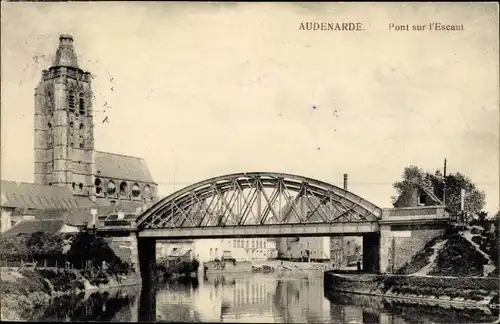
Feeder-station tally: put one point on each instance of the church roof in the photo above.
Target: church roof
(34, 226)
(36, 196)
(123, 167)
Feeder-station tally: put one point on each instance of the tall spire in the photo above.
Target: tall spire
(65, 55)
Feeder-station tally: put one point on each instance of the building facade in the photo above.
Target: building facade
(305, 248)
(246, 249)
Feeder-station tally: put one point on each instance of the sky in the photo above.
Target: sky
(205, 89)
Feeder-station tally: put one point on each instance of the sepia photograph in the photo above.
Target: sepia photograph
(250, 162)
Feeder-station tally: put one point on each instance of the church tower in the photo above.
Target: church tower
(64, 136)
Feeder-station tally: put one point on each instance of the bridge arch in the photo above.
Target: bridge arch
(257, 198)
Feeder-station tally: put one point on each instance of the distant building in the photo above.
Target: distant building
(179, 249)
(272, 249)
(65, 158)
(305, 248)
(346, 250)
(247, 249)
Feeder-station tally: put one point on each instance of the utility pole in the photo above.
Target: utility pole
(444, 183)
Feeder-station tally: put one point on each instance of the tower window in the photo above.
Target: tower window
(73, 185)
(81, 104)
(80, 185)
(98, 189)
(71, 101)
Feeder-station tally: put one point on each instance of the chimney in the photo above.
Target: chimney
(345, 181)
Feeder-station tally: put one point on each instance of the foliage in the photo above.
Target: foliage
(43, 246)
(458, 258)
(61, 280)
(87, 246)
(474, 198)
(168, 268)
(13, 247)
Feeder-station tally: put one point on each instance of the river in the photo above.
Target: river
(256, 298)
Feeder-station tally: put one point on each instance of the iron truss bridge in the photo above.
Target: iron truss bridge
(259, 202)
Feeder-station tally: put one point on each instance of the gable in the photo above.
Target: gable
(122, 167)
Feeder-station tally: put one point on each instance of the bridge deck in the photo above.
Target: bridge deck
(274, 230)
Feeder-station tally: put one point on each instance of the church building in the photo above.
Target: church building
(70, 176)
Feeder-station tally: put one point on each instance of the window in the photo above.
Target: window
(71, 101)
(82, 126)
(136, 190)
(421, 199)
(98, 188)
(81, 105)
(80, 185)
(147, 191)
(73, 185)
(111, 188)
(49, 125)
(123, 188)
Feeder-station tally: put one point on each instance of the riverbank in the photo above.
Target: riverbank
(25, 292)
(458, 291)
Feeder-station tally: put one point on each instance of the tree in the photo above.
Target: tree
(474, 199)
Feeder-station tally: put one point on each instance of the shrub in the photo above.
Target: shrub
(90, 247)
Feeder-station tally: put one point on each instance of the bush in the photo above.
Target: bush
(167, 268)
(90, 247)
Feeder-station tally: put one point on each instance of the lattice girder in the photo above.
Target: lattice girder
(258, 199)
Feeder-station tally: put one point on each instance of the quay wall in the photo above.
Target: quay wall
(450, 290)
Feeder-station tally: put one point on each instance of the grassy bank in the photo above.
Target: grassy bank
(462, 251)
(78, 260)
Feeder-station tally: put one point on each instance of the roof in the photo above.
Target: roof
(82, 215)
(36, 196)
(432, 196)
(35, 225)
(123, 167)
(404, 195)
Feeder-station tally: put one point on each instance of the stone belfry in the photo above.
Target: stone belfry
(64, 136)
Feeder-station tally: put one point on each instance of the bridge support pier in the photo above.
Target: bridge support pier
(147, 259)
(371, 252)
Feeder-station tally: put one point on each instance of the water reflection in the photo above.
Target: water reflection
(256, 298)
(115, 305)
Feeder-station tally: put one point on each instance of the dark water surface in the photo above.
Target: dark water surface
(255, 298)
